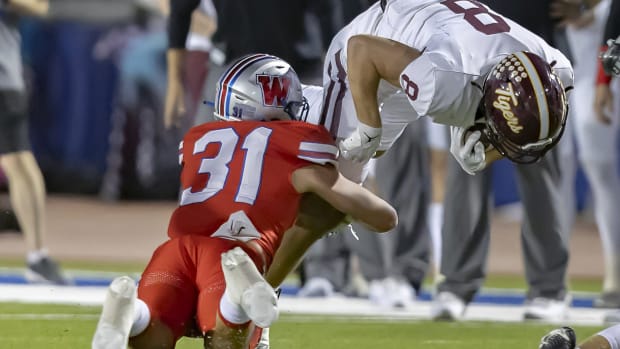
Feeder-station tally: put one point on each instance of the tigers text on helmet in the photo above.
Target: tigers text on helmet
(260, 87)
(524, 107)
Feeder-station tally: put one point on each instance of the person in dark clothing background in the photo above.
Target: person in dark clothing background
(273, 26)
(545, 192)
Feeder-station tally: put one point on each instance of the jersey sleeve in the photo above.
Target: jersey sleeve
(316, 145)
(437, 89)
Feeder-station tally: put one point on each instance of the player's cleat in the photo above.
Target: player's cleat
(246, 286)
(116, 316)
(45, 270)
(560, 338)
(546, 309)
(447, 307)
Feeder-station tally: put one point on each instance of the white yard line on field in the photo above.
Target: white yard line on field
(339, 307)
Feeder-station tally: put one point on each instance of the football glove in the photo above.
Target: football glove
(467, 149)
(362, 144)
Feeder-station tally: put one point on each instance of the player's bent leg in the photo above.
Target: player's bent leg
(247, 288)
(117, 315)
(167, 296)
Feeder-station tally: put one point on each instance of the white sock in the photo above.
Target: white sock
(611, 282)
(141, 318)
(35, 256)
(232, 312)
(612, 335)
(435, 224)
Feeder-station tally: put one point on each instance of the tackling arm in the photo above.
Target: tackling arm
(346, 196)
(315, 218)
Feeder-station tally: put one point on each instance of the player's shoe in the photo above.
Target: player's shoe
(45, 270)
(612, 317)
(608, 300)
(447, 307)
(546, 309)
(317, 287)
(391, 293)
(560, 338)
(116, 316)
(247, 287)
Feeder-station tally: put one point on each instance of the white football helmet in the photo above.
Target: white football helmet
(260, 87)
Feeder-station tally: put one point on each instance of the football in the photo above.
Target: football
(479, 127)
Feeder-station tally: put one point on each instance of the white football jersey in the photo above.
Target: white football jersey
(460, 41)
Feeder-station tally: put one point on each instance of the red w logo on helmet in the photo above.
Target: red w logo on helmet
(275, 89)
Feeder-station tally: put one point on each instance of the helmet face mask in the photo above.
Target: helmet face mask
(260, 87)
(524, 108)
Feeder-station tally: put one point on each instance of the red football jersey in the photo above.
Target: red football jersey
(246, 166)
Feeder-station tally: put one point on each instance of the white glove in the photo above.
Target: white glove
(468, 152)
(362, 144)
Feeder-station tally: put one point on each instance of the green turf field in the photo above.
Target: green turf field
(66, 327)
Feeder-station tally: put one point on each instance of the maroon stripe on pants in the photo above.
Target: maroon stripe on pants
(342, 75)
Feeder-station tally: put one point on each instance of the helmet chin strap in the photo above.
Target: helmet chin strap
(538, 145)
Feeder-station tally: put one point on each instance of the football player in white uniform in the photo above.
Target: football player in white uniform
(457, 62)
(453, 61)
(592, 135)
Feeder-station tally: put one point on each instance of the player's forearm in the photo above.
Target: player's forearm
(362, 205)
(176, 61)
(491, 156)
(29, 7)
(314, 218)
(363, 81)
(295, 243)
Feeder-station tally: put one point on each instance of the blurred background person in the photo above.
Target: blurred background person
(25, 180)
(546, 193)
(397, 263)
(597, 140)
(438, 143)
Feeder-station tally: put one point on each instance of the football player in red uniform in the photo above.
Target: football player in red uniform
(242, 181)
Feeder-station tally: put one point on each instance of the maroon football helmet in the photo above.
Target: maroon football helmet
(524, 107)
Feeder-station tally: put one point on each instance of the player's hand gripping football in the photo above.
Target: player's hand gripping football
(467, 149)
(362, 144)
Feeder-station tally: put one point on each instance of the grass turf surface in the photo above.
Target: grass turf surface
(67, 327)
